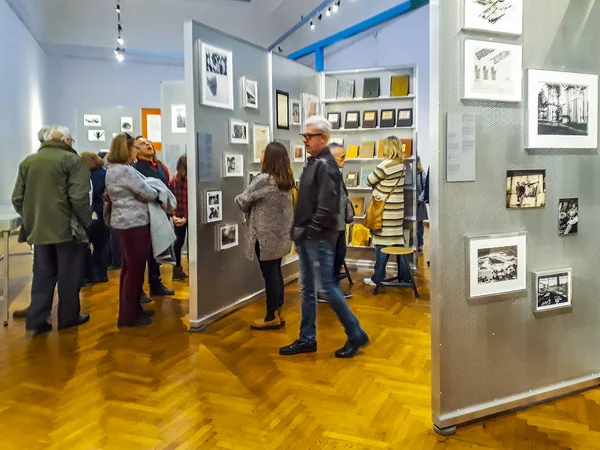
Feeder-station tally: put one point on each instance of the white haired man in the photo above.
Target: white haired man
(315, 233)
(51, 195)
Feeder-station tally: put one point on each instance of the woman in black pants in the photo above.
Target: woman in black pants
(178, 186)
(268, 204)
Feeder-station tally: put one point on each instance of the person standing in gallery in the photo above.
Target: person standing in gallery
(129, 195)
(315, 233)
(268, 205)
(387, 181)
(52, 196)
(178, 186)
(422, 214)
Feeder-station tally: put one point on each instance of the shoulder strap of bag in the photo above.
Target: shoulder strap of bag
(393, 189)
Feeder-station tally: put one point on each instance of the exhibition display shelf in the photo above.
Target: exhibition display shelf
(364, 100)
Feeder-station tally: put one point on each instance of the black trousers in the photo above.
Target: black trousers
(99, 239)
(274, 287)
(52, 264)
(179, 243)
(153, 270)
(114, 248)
(340, 254)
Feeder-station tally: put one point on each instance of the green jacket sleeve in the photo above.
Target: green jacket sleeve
(78, 191)
(18, 194)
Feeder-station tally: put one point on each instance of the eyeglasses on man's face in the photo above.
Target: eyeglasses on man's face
(308, 136)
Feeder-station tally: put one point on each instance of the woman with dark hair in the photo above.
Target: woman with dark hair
(178, 186)
(268, 204)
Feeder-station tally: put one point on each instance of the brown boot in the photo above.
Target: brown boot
(274, 324)
(21, 313)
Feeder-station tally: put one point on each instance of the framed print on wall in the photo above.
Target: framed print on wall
(238, 132)
(252, 176)
(282, 109)
(495, 16)
(214, 206)
(552, 289)
(568, 216)
(249, 93)
(92, 120)
(296, 109)
(96, 135)
(260, 140)
(496, 264)
(525, 188)
(299, 153)
(227, 236)
(126, 124)
(233, 165)
(216, 76)
(178, 119)
(562, 109)
(310, 106)
(493, 71)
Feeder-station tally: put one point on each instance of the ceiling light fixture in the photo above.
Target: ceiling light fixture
(119, 51)
(118, 8)
(336, 6)
(320, 16)
(328, 12)
(312, 25)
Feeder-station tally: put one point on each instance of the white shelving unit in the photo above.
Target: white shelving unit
(369, 130)
(366, 100)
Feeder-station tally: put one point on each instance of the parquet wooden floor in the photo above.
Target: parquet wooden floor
(162, 387)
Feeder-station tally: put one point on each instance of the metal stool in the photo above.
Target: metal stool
(401, 254)
(345, 274)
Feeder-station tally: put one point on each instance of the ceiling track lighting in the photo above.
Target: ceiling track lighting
(328, 12)
(312, 25)
(336, 6)
(119, 51)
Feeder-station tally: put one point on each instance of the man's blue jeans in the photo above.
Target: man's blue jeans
(316, 263)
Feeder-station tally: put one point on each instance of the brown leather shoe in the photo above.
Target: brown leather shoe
(21, 313)
(274, 324)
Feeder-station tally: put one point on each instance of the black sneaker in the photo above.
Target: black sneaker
(298, 347)
(161, 291)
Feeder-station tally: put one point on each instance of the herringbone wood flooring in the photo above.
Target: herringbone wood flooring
(162, 387)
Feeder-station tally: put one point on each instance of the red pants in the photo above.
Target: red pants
(135, 243)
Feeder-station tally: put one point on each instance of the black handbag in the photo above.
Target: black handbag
(349, 211)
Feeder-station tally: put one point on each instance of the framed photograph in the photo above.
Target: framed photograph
(238, 132)
(260, 140)
(92, 120)
(552, 289)
(496, 16)
(216, 76)
(178, 119)
(96, 135)
(299, 153)
(568, 216)
(252, 176)
(233, 165)
(335, 118)
(405, 117)
(287, 144)
(214, 206)
(310, 106)
(296, 108)
(493, 71)
(249, 93)
(227, 236)
(388, 118)
(497, 264)
(352, 120)
(562, 110)
(525, 189)
(282, 108)
(126, 124)
(352, 179)
(369, 119)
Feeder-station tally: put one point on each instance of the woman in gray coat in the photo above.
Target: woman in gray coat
(268, 204)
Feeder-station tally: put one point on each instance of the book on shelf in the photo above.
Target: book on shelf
(407, 147)
(352, 179)
(339, 140)
(388, 118)
(371, 88)
(370, 119)
(361, 236)
(345, 89)
(380, 149)
(352, 151)
(367, 149)
(358, 203)
(364, 177)
(335, 118)
(405, 118)
(352, 120)
(399, 85)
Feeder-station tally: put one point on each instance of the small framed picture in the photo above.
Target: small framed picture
(238, 132)
(405, 117)
(352, 179)
(282, 103)
(296, 109)
(568, 216)
(552, 289)
(252, 176)
(369, 119)
(233, 165)
(352, 120)
(96, 135)
(214, 206)
(525, 189)
(227, 236)
(388, 118)
(299, 154)
(260, 140)
(178, 119)
(92, 120)
(335, 118)
(249, 93)
(126, 124)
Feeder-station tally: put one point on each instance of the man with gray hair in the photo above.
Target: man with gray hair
(315, 233)
(51, 194)
(42, 133)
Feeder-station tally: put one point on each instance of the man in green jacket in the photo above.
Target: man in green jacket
(52, 195)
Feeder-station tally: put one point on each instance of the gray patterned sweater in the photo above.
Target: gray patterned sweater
(124, 184)
(270, 215)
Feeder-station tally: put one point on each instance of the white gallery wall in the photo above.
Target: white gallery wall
(24, 96)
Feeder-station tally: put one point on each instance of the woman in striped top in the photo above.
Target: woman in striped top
(386, 179)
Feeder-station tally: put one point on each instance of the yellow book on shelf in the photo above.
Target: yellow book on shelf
(352, 152)
(358, 203)
(360, 235)
(380, 149)
(367, 149)
(407, 147)
(400, 85)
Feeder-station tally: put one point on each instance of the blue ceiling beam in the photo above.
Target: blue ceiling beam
(304, 21)
(361, 27)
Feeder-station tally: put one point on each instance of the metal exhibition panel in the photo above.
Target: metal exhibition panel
(490, 354)
(174, 134)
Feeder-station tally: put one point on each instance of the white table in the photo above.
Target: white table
(9, 221)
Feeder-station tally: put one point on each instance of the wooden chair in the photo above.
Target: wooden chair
(401, 258)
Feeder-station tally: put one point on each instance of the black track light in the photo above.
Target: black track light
(118, 8)
(312, 25)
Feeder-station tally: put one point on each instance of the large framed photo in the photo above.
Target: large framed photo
(216, 76)
(249, 93)
(296, 108)
(214, 206)
(227, 236)
(497, 264)
(552, 289)
(233, 165)
(496, 16)
(282, 108)
(260, 140)
(562, 110)
(310, 106)
(238, 132)
(525, 189)
(568, 216)
(493, 71)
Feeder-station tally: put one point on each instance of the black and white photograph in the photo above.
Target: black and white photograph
(497, 264)
(249, 93)
(525, 189)
(217, 76)
(178, 119)
(568, 216)
(214, 205)
(552, 289)
(227, 236)
(96, 136)
(126, 124)
(493, 71)
(562, 110)
(238, 132)
(296, 112)
(252, 176)
(496, 16)
(92, 120)
(233, 165)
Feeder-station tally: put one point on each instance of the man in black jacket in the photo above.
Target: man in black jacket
(315, 233)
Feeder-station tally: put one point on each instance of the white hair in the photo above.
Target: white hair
(319, 123)
(57, 133)
(41, 133)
